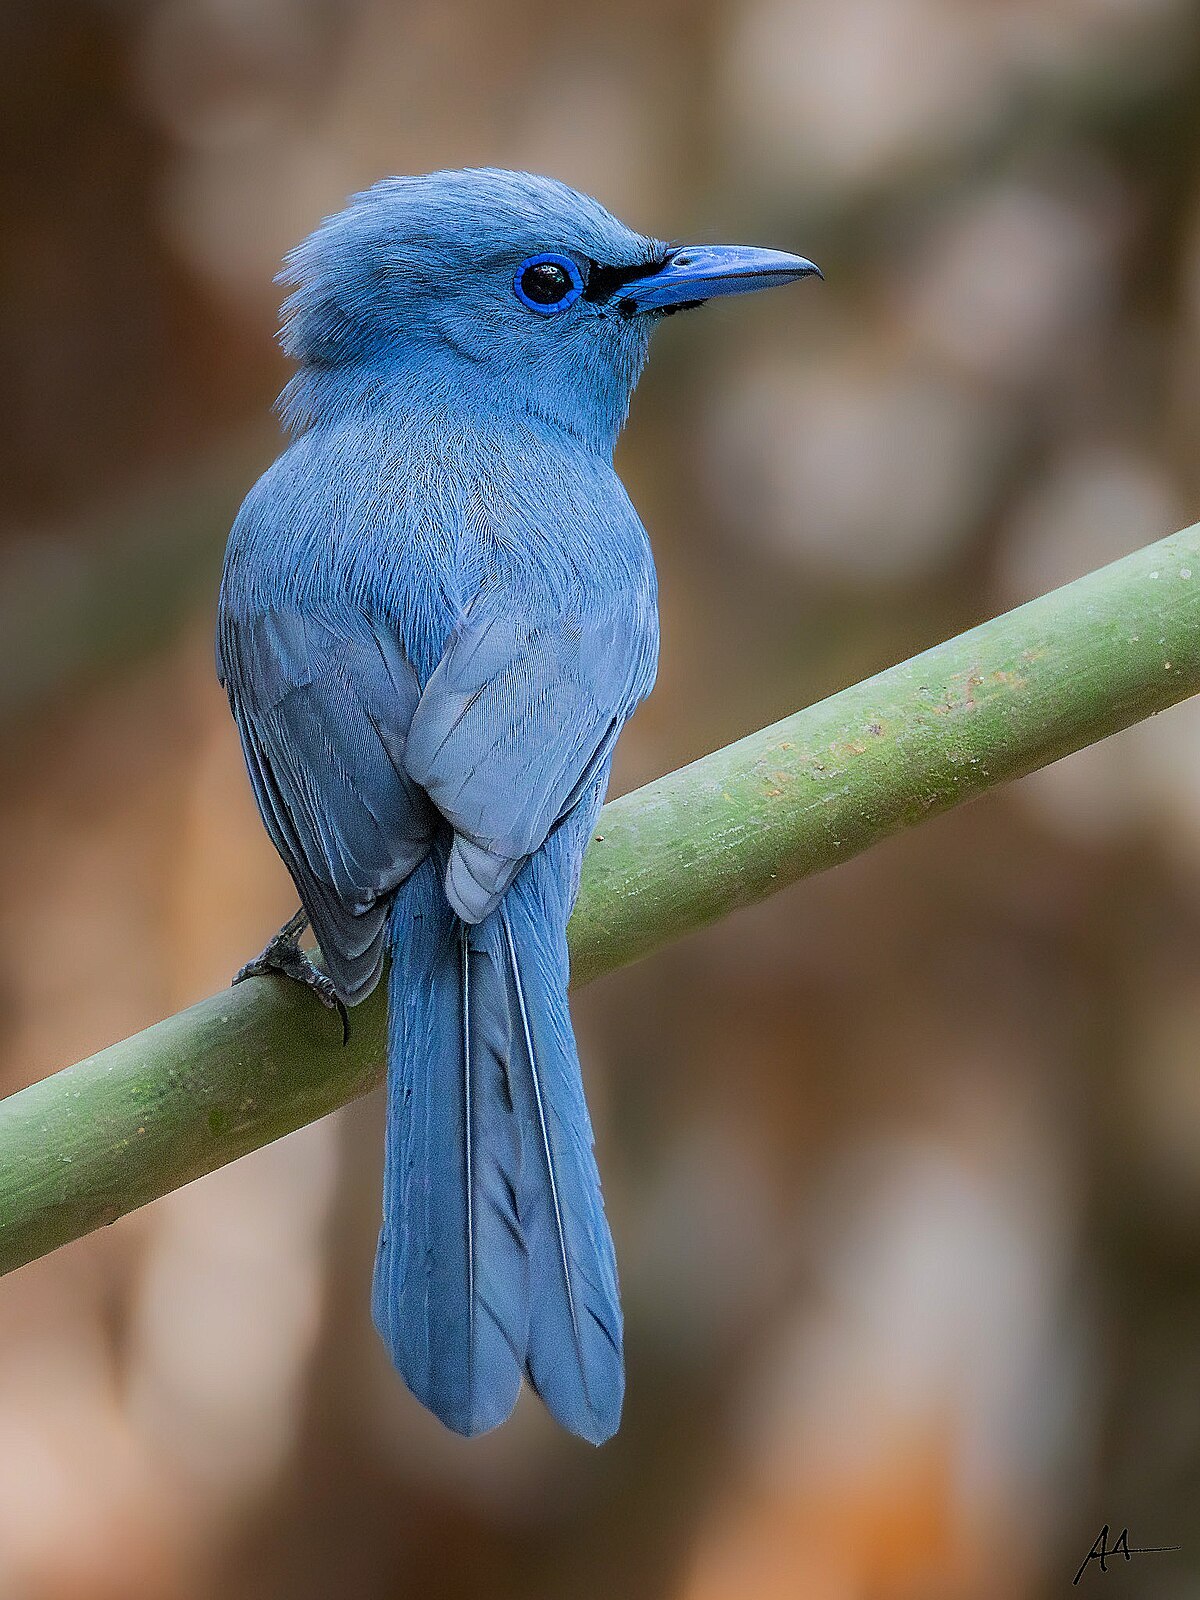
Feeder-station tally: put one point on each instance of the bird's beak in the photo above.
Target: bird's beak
(698, 272)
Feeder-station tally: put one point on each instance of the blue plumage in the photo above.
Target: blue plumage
(437, 614)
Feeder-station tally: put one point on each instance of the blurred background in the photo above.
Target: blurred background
(904, 1165)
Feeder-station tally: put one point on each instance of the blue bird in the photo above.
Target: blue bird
(438, 611)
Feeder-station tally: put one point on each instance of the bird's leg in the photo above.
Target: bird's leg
(284, 956)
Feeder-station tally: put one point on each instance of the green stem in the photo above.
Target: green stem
(143, 1117)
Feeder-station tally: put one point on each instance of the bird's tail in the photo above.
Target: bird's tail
(495, 1258)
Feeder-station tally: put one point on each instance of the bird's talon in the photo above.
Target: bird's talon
(284, 958)
(273, 959)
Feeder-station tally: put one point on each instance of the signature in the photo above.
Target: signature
(1101, 1550)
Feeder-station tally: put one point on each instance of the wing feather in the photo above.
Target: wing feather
(515, 723)
(323, 706)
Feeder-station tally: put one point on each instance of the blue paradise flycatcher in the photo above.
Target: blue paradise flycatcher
(438, 611)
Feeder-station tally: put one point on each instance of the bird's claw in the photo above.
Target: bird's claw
(284, 957)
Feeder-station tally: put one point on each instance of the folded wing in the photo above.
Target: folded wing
(515, 724)
(323, 707)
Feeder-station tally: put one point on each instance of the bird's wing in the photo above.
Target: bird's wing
(516, 723)
(323, 707)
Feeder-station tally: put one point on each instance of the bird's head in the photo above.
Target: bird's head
(497, 289)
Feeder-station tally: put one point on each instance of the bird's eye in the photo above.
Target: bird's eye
(548, 283)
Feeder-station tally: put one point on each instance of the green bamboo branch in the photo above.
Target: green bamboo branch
(143, 1117)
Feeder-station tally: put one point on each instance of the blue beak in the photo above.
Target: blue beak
(698, 272)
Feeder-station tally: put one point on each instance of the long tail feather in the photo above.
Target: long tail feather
(575, 1359)
(451, 1296)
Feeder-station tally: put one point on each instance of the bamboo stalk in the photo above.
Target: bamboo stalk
(143, 1117)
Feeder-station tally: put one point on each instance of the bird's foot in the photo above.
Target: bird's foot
(284, 956)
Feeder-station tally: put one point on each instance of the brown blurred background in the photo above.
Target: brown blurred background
(904, 1165)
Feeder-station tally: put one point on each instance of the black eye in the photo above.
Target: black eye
(548, 283)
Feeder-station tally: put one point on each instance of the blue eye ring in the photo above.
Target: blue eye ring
(568, 283)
